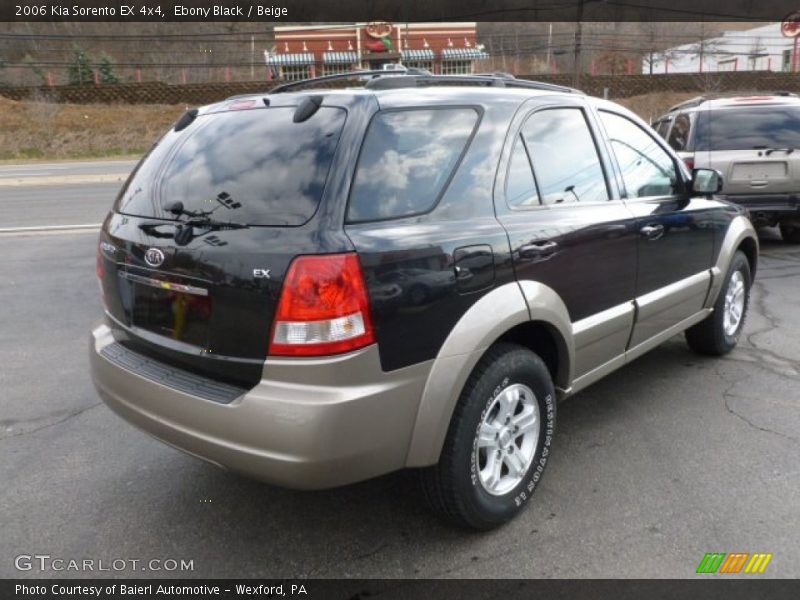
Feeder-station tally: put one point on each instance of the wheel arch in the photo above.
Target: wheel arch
(504, 314)
(740, 235)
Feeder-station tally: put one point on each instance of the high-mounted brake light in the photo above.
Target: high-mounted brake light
(323, 308)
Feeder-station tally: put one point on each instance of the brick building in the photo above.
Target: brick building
(314, 50)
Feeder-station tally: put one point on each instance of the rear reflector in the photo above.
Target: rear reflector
(323, 309)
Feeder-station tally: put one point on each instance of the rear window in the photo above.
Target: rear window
(250, 166)
(747, 128)
(407, 158)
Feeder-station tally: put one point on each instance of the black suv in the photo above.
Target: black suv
(317, 286)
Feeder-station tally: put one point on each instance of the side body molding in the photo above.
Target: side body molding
(488, 319)
(739, 229)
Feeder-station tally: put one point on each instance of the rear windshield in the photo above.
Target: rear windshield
(249, 166)
(747, 128)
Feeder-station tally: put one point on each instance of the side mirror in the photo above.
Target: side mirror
(706, 182)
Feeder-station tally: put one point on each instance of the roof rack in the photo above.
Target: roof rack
(700, 99)
(381, 80)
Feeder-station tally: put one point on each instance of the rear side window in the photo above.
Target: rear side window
(407, 158)
(565, 159)
(520, 185)
(747, 128)
(250, 166)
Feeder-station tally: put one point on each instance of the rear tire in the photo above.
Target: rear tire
(719, 333)
(505, 416)
(790, 233)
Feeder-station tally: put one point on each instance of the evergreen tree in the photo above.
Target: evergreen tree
(80, 70)
(106, 70)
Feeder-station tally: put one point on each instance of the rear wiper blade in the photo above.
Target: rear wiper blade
(771, 150)
(201, 218)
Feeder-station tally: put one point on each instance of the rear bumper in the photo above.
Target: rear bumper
(767, 207)
(315, 423)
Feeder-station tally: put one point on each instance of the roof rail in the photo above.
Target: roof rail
(721, 96)
(285, 87)
(687, 103)
(418, 78)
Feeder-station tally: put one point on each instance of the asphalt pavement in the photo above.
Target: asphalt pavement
(670, 457)
(55, 195)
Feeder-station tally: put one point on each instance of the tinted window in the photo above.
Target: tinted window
(647, 169)
(679, 136)
(746, 128)
(248, 166)
(520, 186)
(662, 127)
(564, 157)
(406, 160)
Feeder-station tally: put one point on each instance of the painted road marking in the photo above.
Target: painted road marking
(50, 228)
(62, 179)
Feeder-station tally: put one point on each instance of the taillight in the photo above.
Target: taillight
(689, 162)
(323, 309)
(100, 269)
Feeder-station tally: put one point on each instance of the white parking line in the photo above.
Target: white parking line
(50, 228)
(62, 179)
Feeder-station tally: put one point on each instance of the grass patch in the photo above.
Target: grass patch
(47, 131)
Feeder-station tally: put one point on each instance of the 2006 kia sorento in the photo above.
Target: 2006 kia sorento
(317, 287)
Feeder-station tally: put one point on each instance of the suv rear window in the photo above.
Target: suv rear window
(407, 158)
(249, 166)
(748, 127)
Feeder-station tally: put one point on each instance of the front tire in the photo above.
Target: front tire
(719, 333)
(498, 442)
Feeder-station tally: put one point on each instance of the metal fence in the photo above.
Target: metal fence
(616, 86)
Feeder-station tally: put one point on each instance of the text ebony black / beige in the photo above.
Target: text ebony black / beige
(317, 287)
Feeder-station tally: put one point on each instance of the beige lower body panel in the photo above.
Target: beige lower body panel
(602, 337)
(658, 311)
(350, 423)
(636, 351)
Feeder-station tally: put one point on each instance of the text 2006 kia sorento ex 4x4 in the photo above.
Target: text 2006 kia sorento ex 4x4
(320, 286)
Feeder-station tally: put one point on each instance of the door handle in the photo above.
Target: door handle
(652, 232)
(538, 249)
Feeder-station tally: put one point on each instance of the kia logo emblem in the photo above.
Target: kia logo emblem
(154, 257)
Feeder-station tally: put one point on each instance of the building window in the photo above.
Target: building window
(295, 72)
(787, 61)
(419, 64)
(336, 69)
(456, 67)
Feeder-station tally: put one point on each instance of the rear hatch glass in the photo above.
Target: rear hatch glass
(256, 167)
(748, 128)
(201, 295)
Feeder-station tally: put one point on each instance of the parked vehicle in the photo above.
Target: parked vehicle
(754, 141)
(314, 287)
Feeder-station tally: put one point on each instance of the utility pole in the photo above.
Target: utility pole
(252, 57)
(576, 68)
